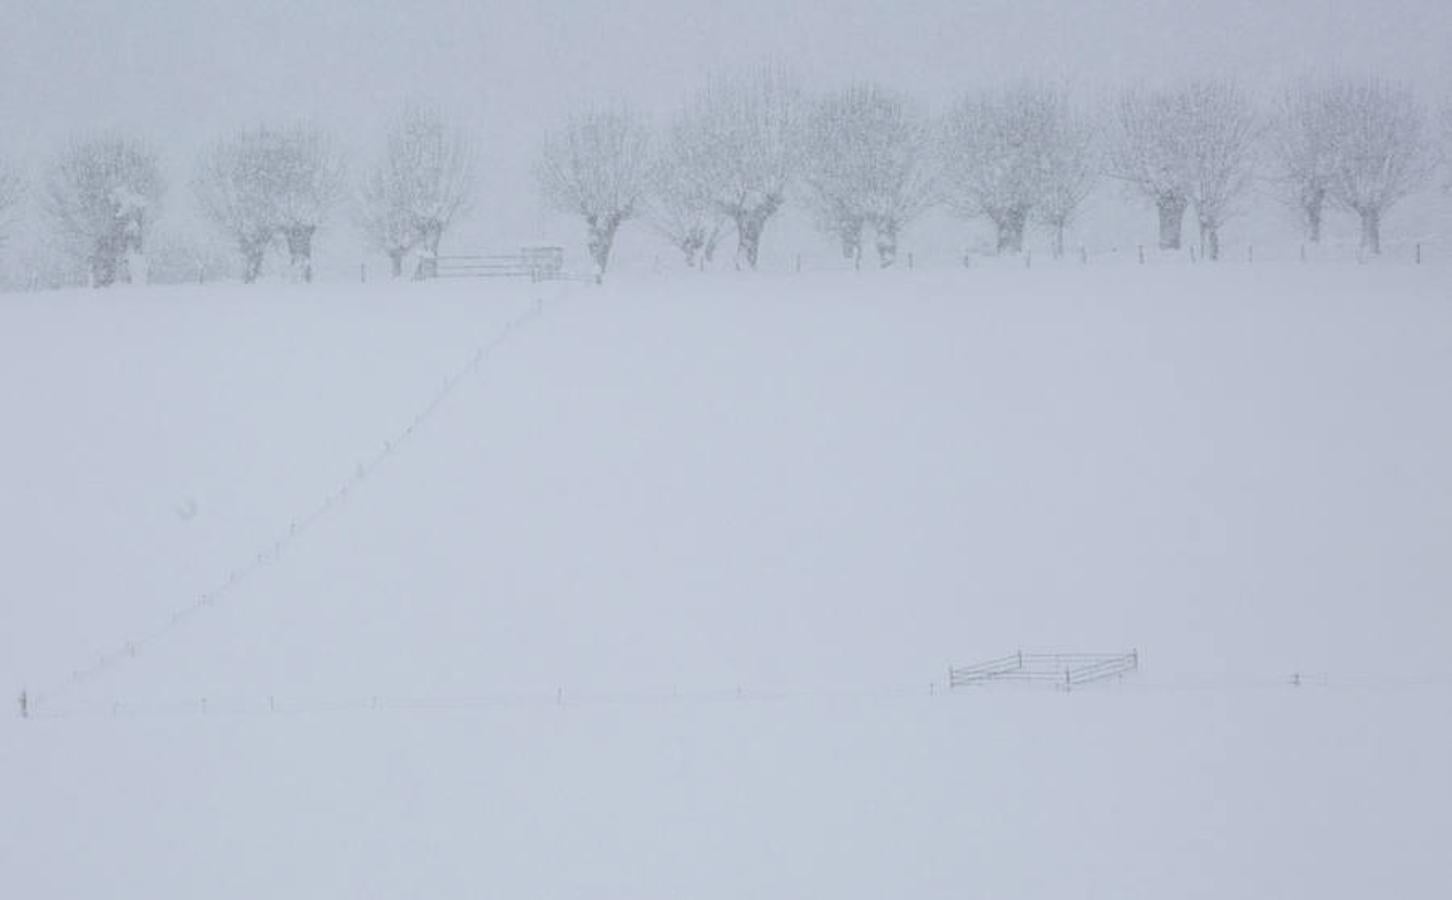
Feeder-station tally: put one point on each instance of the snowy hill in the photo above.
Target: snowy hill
(649, 590)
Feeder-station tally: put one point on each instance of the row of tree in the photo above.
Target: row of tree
(260, 188)
(867, 157)
(863, 158)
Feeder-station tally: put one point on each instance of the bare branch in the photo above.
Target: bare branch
(424, 183)
(747, 133)
(599, 168)
(103, 195)
(867, 163)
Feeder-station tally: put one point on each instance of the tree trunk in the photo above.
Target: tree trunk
(395, 261)
(602, 238)
(1010, 224)
(1371, 230)
(107, 257)
(252, 256)
(1172, 216)
(708, 249)
(690, 245)
(886, 230)
(1058, 238)
(852, 239)
(750, 222)
(1313, 207)
(430, 234)
(300, 249)
(1210, 241)
(103, 268)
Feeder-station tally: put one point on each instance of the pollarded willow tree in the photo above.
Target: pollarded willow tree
(234, 189)
(1446, 151)
(1303, 144)
(598, 166)
(1148, 153)
(995, 148)
(1382, 150)
(311, 182)
(867, 163)
(1070, 170)
(747, 130)
(1220, 131)
(681, 206)
(103, 195)
(425, 182)
(265, 183)
(1189, 145)
(12, 188)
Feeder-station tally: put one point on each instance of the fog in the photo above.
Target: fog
(181, 72)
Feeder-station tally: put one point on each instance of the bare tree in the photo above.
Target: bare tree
(12, 188)
(1446, 147)
(867, 162)
(264, 183)
(424, 183)
(748, 129)
(1070, 170)
(103, 195)
(598, 167)
(1148, 152)
(386, 222)
(1382, 150)
(1303, 141)
(680, 205)
(235, 185)
(1219, 130)
(309, 183)
(995, 152)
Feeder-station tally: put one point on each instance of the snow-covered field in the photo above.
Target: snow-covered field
(649, 590)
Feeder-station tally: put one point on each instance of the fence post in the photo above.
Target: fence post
(910, 261)
(363, 272)
(1303, 253)
(1250, 254)
(1083, 255)
(1419, 254)
(1141, 254)
(1028, 259)
(1192, 254)
(24, 705)
(799, 264)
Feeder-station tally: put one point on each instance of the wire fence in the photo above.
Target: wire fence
(280, 705)
(34, 703)
(1432, 249)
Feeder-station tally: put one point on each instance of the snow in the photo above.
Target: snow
(658, 600)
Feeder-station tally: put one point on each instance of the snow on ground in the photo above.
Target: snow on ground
(658, 600)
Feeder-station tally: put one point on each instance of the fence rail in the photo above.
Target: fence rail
(1063, 670)
(534, 263)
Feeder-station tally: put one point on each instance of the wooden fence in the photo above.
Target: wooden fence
(1062, 670)
(534, 263)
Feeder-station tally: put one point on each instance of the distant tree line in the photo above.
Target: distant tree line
(265, 191)
(862, 160)
(867, 158)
